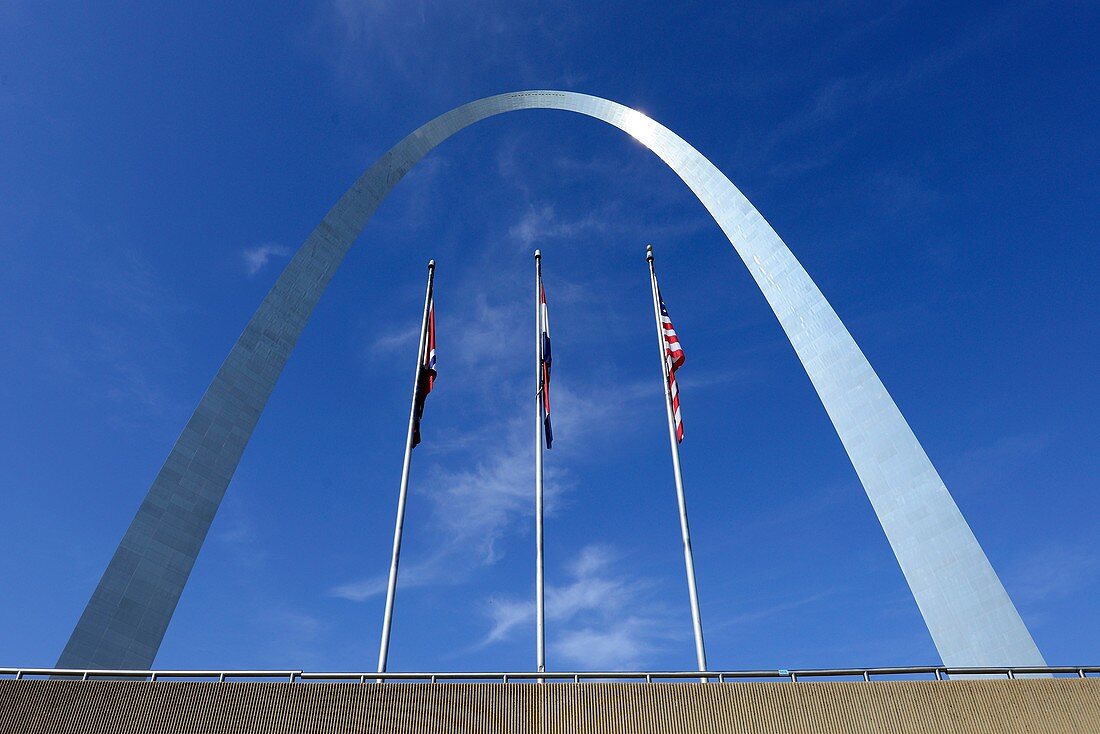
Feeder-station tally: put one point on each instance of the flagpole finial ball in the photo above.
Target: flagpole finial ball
(538, 254)
(431, 264)
(649, 252)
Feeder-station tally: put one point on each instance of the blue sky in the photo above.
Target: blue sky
(933, 166)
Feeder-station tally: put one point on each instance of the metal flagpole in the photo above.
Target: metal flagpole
(391, 587)
(689, 562)
(540, 602)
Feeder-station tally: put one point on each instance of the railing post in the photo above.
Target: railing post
(939, 673)
(1081, 673)
(867, 676)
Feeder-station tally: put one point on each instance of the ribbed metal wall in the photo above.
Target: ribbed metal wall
(962, 707)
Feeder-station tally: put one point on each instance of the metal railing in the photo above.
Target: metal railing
(930, 672)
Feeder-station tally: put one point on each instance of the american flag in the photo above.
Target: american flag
(674, 359)
(426, 380)
(544, 379)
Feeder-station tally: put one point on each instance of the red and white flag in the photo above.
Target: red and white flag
(674, 359)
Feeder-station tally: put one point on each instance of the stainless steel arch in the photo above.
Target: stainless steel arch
(967, 610)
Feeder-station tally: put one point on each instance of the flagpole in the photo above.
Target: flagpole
(540, 601)
(689, 562)
(391, 587)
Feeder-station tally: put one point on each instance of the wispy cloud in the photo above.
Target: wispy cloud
(412, 576)
(623, 644)
(835, 98)
(374, 46)
(389, 342)
(769, 611)
(486, 333)
(540, 223)
(476, 506)
(596, 613)
(482, 501)
(256, 258)
(507, 615)
(368, 28)
(473, 508)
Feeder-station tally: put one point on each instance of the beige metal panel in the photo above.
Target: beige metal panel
(1039, 706)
